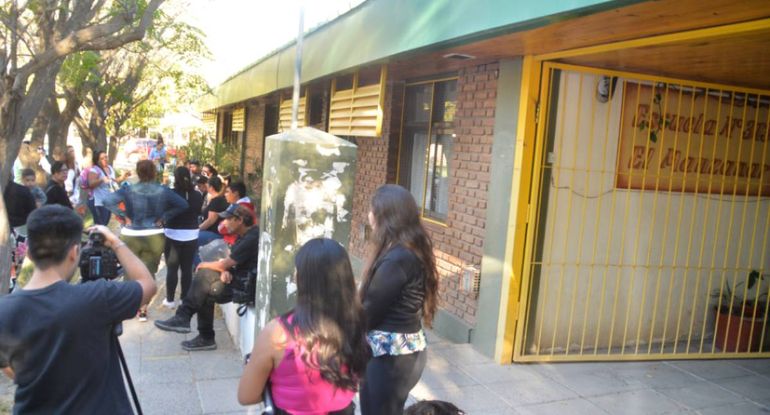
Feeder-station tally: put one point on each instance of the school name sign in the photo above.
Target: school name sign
(676, 140)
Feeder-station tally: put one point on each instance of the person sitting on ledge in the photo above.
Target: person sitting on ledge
(211, 283)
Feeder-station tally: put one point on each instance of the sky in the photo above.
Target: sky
(239, 32)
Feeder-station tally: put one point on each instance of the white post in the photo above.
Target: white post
(297, 69)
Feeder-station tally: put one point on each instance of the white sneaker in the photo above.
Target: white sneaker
(169, 304)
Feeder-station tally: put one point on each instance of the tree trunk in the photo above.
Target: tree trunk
(17, 112)
(86, 136)
(39, 127)
(112, 151)
(5, 248)
(58, 125)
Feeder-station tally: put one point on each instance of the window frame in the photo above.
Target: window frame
(427, 156)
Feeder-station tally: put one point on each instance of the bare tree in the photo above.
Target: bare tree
(37, 35)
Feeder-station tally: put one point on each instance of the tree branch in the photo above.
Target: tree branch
(95, 37)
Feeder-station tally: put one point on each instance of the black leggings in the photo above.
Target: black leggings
(179, 254)
(388, 382)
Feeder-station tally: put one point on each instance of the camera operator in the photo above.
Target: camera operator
(211, 282)
(56, 339)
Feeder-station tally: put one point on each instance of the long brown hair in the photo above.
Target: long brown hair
(397, 222)
(329, 318)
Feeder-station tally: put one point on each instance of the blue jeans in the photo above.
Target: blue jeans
(102, 216)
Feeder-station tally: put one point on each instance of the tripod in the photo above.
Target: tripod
(117, 331)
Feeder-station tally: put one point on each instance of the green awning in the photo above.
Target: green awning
(380, 29)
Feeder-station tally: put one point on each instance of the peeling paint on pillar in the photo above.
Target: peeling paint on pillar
(307, 193)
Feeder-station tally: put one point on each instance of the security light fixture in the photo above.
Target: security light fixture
(459, 56)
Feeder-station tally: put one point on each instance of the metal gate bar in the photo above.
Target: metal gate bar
(626, 261)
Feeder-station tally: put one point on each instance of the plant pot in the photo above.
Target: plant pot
(728, 324)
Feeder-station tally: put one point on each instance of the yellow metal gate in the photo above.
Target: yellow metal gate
(650, 214)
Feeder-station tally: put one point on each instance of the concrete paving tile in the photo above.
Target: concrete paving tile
(486, 373)
(172, 398)
(587, 379)
(578, 406)
(219, 395)
(163, 344)
(711, 369)
(755, 387)
(746, 408)
(463, 354)
(436, 362)
(759, 366)
(645, 402)
(526, 392)
(497, 411)
(701, 395)
(474, 399)
(158, 370)
(446, 378)
(215, 365)
(664, 376)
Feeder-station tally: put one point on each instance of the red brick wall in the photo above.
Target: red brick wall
(375, 162)
(255, 140)
(460, 243)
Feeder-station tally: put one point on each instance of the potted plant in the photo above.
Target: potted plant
(739, 320)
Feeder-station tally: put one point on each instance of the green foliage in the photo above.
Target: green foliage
(733, 294)
(79, 70)
(202, 147)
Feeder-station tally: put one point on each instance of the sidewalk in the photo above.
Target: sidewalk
(172, 381)
(457, 373)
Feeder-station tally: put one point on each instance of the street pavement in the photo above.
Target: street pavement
(172, 381)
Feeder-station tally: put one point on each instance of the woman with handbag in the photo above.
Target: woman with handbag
(398, 291)
(314, 355)
(102, 180)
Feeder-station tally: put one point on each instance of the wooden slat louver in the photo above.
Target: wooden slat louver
(358, 111)
(284, 114)
(239, 119)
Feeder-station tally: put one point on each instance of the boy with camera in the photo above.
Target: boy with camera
(57, 340)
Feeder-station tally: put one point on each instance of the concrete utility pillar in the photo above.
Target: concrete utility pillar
(307, 192)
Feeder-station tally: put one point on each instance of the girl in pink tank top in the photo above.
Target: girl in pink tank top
(314, 355)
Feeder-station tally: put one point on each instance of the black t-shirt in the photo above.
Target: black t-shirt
(188, 219)
(19, 202)
(56, 195)
(245, 251)
(217, 204)
(59, 341)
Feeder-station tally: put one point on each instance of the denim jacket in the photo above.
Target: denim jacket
(146, 203)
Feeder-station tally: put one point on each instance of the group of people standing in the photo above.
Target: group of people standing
(339, 339)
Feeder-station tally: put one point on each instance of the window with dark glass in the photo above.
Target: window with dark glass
(426, 145)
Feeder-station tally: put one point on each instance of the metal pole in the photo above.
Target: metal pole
(297, 69)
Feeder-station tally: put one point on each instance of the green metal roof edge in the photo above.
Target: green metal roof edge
(360, 37)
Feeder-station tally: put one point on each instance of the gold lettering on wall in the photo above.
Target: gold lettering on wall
(674, 139)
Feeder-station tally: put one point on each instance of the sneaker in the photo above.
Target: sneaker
(143, 316)
(176, 323)
(199, 343)
(169, 304)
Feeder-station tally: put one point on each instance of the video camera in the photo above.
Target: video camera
(97, 260)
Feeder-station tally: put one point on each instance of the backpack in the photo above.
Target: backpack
(83, 182)
(244, 289)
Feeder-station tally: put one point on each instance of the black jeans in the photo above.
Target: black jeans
(388, 382)
(179, 254)
(206, 290)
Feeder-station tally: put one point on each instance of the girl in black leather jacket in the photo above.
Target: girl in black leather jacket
(399, 292)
